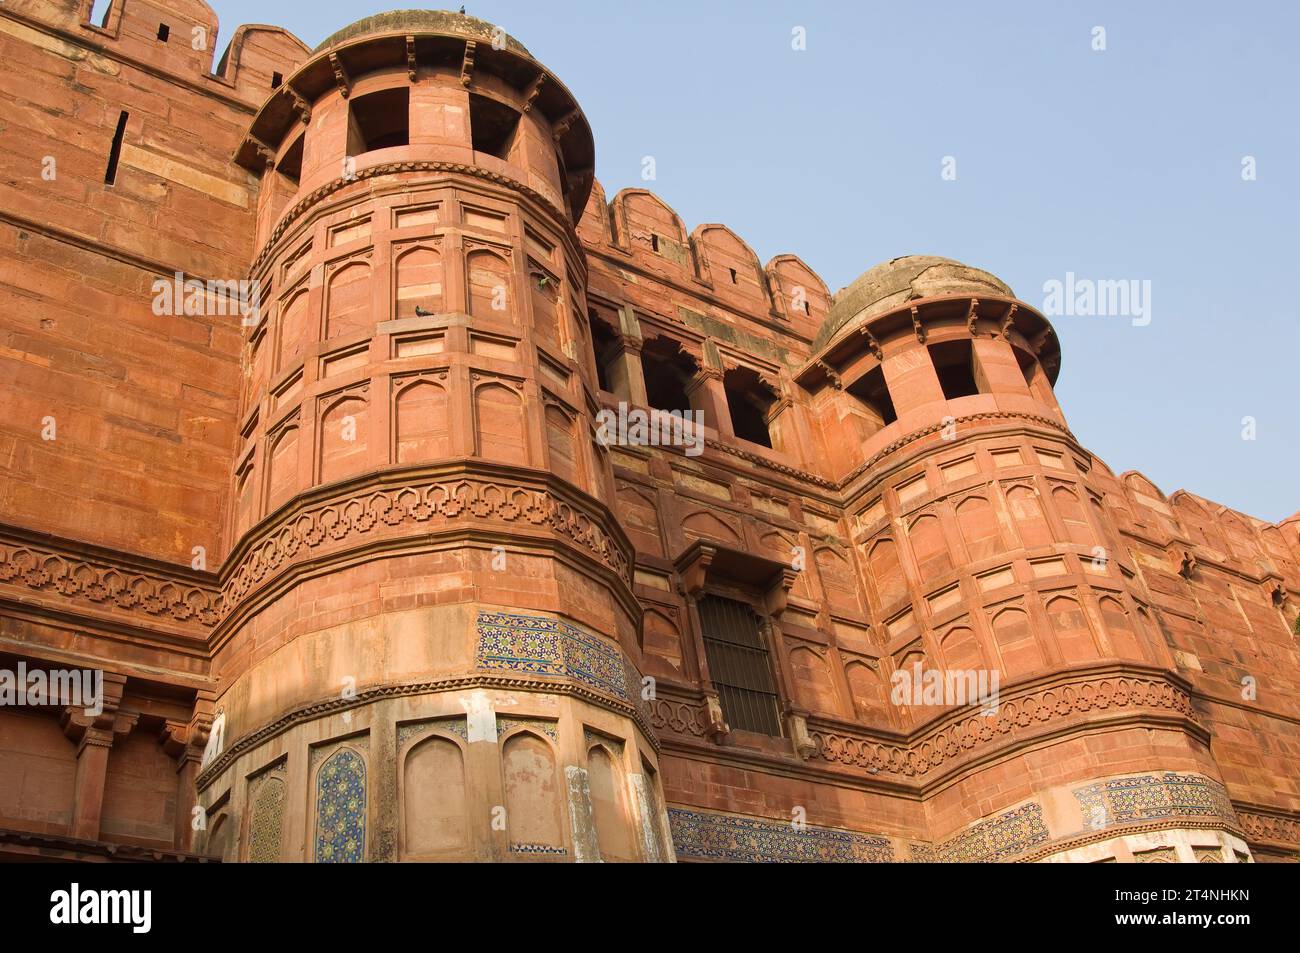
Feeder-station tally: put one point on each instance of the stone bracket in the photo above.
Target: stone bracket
(467, 64)
(341, 78)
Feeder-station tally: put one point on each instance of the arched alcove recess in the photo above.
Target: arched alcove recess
(706, 526)
(343, 432)
(609, 806)
(979, 528)
(296, 330)
(1027, 511)
(559, 441)
(867, 691)
(435, 811)
(341, 802)
(488, 280)
(245, 498)
(258, 369)
(887, 572)
(1016, 645)
(1124, 639)
(499, 424)
(599, 469)
(930, 548)
(1070, 625)
(282, 469)
(421, 424)
(639, 514)
(961, 649)
(1074, 516)
(813, 687)
(837, 578)
(266, 825)
(534, 821)
(544, 294)
(661, 644)
(419, 281)
(218, 839)
(347, 300)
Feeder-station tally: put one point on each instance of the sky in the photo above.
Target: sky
(1001, 134)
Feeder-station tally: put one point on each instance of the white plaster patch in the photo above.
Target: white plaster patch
(480, 718)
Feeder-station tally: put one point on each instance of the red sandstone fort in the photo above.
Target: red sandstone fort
(367, 579)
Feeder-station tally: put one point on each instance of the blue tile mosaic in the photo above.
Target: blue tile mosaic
(707, 836)
(341, 809)
(1150, 797)
(539, 645)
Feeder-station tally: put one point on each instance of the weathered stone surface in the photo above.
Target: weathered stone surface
(389, 572)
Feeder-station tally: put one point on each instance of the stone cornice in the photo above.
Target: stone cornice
(109, 579)
(915, 435)
(926, 757)
(436, 500)
(1269, 826)
(63, 848)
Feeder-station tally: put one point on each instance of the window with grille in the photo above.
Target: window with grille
(739, 664)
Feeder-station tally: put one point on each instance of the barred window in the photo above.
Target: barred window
(739, 664)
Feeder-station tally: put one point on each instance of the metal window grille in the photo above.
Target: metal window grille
(740, 666)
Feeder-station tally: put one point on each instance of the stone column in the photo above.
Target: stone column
(93, 735)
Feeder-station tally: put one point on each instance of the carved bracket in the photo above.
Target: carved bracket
(341, 78)
(717, 724)
(1008, 324)
(535, 87)
(467, 64)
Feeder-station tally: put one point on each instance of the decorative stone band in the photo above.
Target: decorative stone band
(1138, 804)
(316, 196)
(704, 835)
(110, 582)
(904, 440)
(370, 512)
(1273, 829)
(1026, 711)
(1023, 713)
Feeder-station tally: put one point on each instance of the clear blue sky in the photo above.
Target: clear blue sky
(1123, 164)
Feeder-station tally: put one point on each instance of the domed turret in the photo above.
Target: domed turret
(896, 282)
(418, 453)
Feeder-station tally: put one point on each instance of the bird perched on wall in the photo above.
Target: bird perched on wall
(421, 313)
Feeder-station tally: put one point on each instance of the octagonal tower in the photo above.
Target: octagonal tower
(991, 559)
(427, 605)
